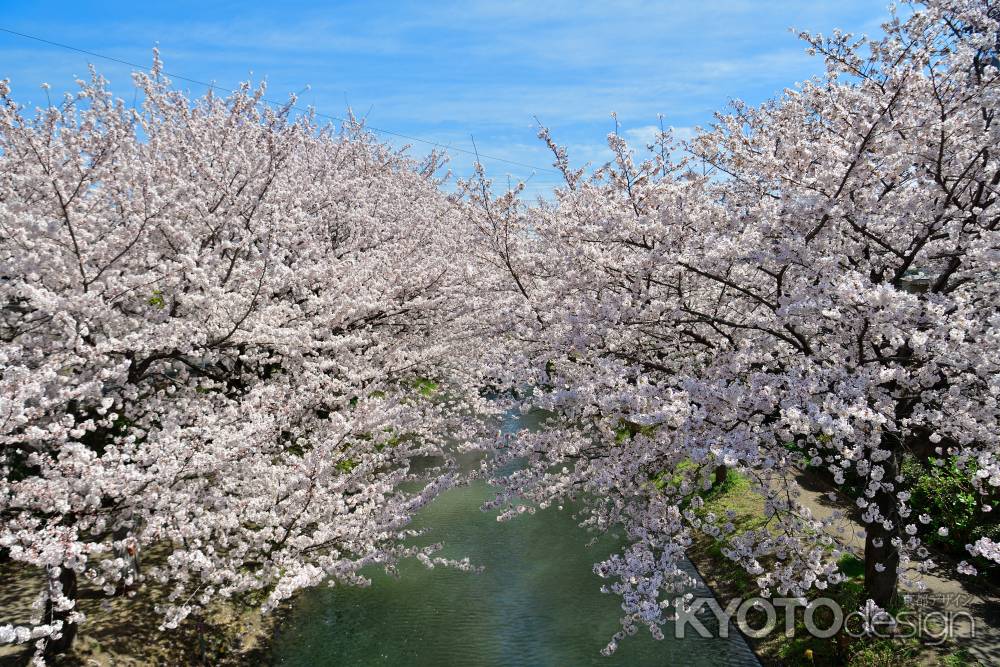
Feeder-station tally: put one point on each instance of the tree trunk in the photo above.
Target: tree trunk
(721, 472)
(67, 577)
(879, 550)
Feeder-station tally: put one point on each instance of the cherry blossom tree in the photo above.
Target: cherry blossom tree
(215, 315)
(809, 283)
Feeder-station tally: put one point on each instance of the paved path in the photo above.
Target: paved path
(943, 593)
(738, 651)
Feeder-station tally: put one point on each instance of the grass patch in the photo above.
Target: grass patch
(736, 497)
(426, 387)
(959, 658)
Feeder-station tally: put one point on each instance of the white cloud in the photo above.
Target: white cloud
(448, 69)
(646, 134)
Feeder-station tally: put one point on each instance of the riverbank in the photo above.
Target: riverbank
(537, 597)
(729, 581)
(417, 615)
(124, 631)
(537, 602)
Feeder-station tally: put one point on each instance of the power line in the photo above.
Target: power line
(280, 104)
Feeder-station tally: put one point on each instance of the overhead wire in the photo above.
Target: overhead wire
(340, 119)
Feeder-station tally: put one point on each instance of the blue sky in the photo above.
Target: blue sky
(447, 70)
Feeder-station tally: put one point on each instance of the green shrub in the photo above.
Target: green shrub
(945, 492)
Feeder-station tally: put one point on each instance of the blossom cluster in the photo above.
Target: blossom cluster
(216, 321)
(811, 283)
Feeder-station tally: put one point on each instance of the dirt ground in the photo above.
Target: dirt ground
(123, 631)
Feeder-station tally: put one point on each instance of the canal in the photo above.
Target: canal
(536, 603)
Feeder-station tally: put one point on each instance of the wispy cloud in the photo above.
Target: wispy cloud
(447, 70)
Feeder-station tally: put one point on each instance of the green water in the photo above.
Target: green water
(537, 603)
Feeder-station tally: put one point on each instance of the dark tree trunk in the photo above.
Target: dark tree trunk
(67, 577)
(721, 472)
(881, 586)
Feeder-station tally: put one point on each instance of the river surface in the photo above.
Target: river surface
(537, 602)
